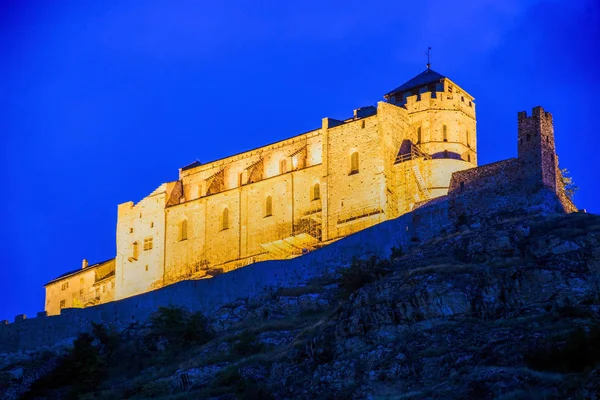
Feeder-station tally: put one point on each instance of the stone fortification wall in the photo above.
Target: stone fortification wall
(487, 176)
(501, 188)
(482, 201)
(207, 295)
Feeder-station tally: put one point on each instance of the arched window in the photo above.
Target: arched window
(354, 163)
(316, 194)
(468, 141)
(136, 250)
(268, 206)
(418, 135)
(282, 166)
(225, 219)
(183, 230)
(445, 133)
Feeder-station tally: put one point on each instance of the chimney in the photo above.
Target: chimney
(84, 264)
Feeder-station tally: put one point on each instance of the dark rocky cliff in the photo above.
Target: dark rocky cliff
(504, 309)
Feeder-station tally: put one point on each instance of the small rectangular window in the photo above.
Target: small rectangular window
(64, 286)
(148, 243)
(62, 304)
(130, 230)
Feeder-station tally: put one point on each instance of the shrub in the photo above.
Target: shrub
(362, 272)
(397, 252)
(579, 351)
(179, 326)
(247, 345)
(246, 389)
(77, 372)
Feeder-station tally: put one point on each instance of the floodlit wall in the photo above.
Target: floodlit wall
(140, 244)
(207, 295)
(319, 186)
(66, 292)
(453, 109)
(91, 285)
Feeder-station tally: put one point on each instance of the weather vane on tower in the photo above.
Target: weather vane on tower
(428, 58)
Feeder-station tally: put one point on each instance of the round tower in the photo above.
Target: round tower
(443, 126)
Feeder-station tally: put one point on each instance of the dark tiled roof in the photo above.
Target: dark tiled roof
(192, 165)
(75, 271)
(424, 78)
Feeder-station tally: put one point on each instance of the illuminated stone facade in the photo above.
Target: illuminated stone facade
(290, 197)
(88, 286)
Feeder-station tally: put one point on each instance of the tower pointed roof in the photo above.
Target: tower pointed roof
(426, 77)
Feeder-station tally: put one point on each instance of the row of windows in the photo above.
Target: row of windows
(183, 226)
(444, 135)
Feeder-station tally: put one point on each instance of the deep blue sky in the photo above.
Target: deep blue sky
(103, 101)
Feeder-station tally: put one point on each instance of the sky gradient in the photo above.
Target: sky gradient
(103, 102)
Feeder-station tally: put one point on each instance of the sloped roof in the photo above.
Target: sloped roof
(76, 271)
(424, 78)
(192, 165)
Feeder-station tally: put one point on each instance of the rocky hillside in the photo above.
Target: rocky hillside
(505, 310)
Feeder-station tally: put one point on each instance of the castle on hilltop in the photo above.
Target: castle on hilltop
(294, 196)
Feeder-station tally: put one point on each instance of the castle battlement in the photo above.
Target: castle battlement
(537, 113)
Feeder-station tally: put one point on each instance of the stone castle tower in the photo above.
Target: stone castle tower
(293, 196)
(536, 147)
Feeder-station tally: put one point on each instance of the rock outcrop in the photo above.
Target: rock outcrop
(504, 309)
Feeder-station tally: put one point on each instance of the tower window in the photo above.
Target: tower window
(316, 194)
(462, 98)
(130, 230)
(135, 251)
(468, 140)
(183, 230)
(225, 219)
(282, 166)
(148, 243)
(468, 157)
(146, 268)
(269, 206)
(354, 163)
(64, 286)
(419, 135)
(62, 304)
(445, 129)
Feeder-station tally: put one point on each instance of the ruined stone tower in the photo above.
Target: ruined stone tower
(536, 147)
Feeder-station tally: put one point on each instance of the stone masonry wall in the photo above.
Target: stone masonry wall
(207, 295)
